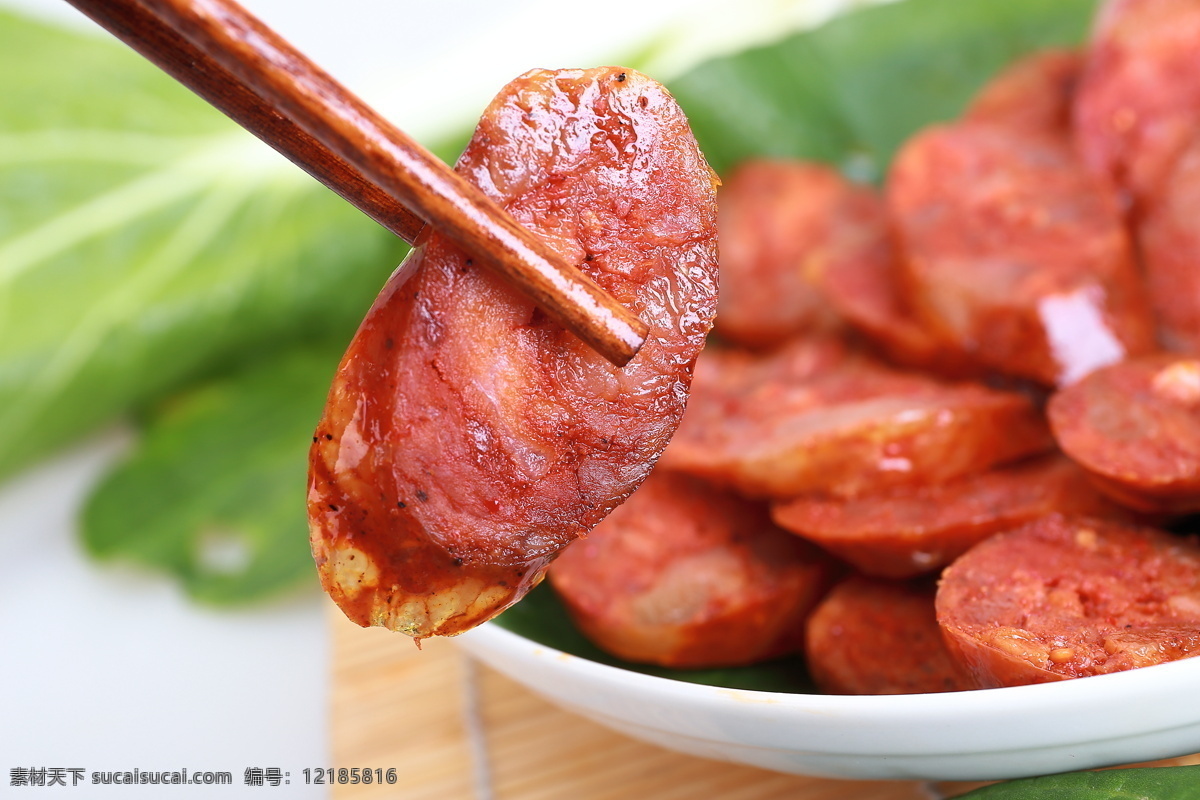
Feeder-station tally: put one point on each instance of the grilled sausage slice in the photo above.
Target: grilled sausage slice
(467, 439)
(1023, 262)
(1135, 426)
(1138, 101)
(686, 575)
(1068, 597)
(875, 636)
(818, 417)
(914, 531)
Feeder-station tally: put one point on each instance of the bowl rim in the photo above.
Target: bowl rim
(1077, 711)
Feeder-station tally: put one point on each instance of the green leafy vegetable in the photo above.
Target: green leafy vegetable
(1148, 783)
(146, 240)
(215, 493)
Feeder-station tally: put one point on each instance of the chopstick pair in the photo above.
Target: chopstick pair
(236, 63)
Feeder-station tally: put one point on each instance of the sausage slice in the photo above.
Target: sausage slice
(1136, 427)
(1022, 261)
(913, 531)
(1169, 241)
(804, 251)
(1034, 94)
(817, 417)
(1138, 101)
(467, 439)
(1068, 597)
(875, 636)
(780, 223)
(686, 575)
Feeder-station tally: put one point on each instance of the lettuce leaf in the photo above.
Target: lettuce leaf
(145, 240)
(214, 494)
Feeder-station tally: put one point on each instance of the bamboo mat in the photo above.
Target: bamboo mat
(456, 730)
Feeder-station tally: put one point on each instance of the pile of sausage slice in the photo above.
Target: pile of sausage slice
(972, 395)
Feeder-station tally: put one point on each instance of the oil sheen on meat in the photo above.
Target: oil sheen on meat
(467, 438)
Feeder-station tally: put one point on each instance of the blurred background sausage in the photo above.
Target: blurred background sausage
(686, 575)
(916, 531)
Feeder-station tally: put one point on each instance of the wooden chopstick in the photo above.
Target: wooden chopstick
(236, 63)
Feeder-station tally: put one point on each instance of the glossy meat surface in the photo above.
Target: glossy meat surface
(875, 636)
(1136, 427)
(1067, 597)
(1023, 261)
(686, 575)
(818, 417)
(467, 439)
(914, 531)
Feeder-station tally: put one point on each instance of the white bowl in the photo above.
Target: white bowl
(1122, 718)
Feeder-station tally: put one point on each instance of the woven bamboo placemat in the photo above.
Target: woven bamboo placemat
(456, 730)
